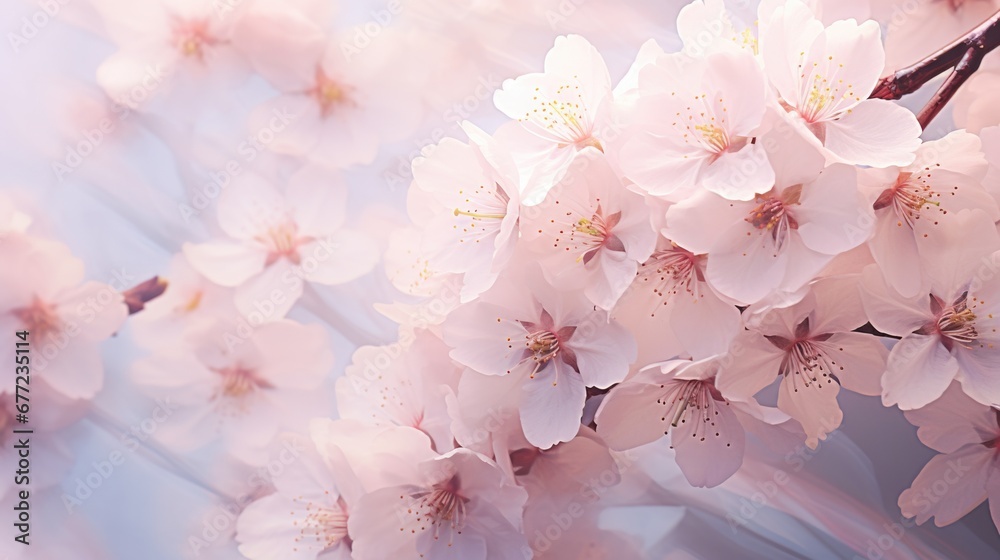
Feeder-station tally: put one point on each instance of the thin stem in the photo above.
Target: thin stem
(963, 55)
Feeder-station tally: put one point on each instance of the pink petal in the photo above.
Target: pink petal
(552, 405)
(949, 486)
(919, 370)
(952, 421)
(224, 263)
(876, 132)
(814, 406)
(861, 359)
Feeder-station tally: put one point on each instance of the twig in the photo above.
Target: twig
(963, 55)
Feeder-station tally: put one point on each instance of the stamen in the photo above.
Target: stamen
(692, 400)
(672, 271)
(909, 197)
(442, 506)
(771, 215)
(956, 323)
(479, 216)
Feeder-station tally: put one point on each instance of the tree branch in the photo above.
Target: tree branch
(963, 55)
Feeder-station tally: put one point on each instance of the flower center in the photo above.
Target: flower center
(442, 506)
(672, 271)
(587, 236)
(822, 96)
(908, 197)
(324, 524)
(692, 404)
(715, 137)
(192, 36)
(955, 323)
(282, 241)
(807, 364)
(563, 115)
(39, 318)
(543, 342)
(329, 93)
(772, 214)
(238, 382)
(543, 345)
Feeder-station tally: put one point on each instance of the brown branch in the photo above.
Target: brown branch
(963, 55)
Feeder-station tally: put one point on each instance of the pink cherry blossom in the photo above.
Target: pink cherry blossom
(698, 121)
(810, 346)
(332, 108)
(679, 398)
(239, 383)
(553, 344)
(66, 318)
(305, 518)
(670, 294)
(166, 46)
(280, 240)
(473, 194)
(914, 202)
(401, 385)
(190, 301)
(418, 503)
(561, 111)
(967, 470)
(783, 237)
(950, 332)
(590, 232)
(824, 75)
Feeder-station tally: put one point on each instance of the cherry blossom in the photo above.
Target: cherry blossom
(670, 294)
(280, 240)
(699, 120)
(967, 470)
(552, 344)
(66, 318)
(473, 192)
(590, 232)
(331, 108)
(912, 203)
(190, 301)
(810, 346)
(563, 110)
(781, 238)
(418, 503)
(401, 385)
(239, 383)
(824, 75)
(167, 45)
(305, 518)
(679, 398)
(949, 332)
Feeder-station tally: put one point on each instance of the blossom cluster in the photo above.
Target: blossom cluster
(710, 250)
(686, 269)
